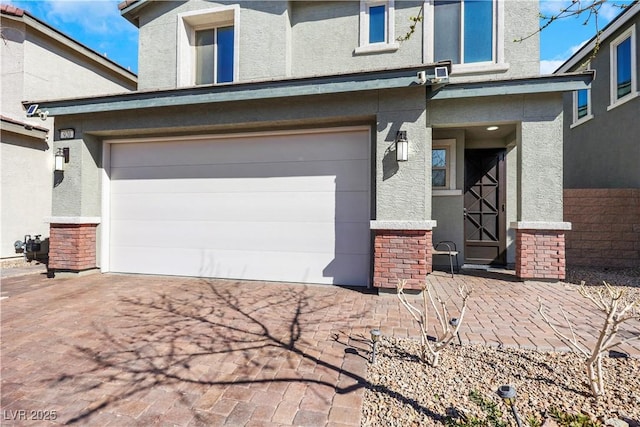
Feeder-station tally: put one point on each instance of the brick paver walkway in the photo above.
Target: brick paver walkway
(124, 350)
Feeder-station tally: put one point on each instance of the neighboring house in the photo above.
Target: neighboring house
(602, 148)
(39, 62)
(267, 142)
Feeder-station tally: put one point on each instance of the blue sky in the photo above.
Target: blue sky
(98, 24)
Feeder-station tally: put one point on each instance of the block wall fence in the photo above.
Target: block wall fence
(605, 229)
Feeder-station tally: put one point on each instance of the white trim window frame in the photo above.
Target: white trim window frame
(208, 19)
(389, 43)
(620, 42)
(449, 168)
(581, 102)
(496, 64)
(578, 109)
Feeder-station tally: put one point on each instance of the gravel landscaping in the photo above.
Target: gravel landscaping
(406, 392)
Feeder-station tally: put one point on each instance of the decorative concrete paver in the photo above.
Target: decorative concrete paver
(143, 350)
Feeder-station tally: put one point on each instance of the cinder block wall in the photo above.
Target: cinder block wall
(605, 227)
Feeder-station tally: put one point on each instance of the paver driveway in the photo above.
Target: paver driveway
(130, 350)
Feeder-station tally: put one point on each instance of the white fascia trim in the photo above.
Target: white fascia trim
(73, 220)
(402, 225)
(540, 225)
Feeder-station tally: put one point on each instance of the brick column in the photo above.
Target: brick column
(72, 246)
(401, 253)
(540, 253)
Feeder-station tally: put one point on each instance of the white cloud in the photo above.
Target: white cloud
(549, 66)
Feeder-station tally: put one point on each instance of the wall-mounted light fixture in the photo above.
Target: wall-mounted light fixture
(402, 146)
(61, 157)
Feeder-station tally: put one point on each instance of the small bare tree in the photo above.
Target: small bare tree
(617, 310)
(444, 332)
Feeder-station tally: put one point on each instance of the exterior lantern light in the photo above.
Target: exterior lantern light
(61, 157)
(375, 337)
(402, 146)
(508, 395)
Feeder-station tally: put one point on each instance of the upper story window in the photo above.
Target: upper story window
(469, 33)
(214, 55)
(582, 104)
(208, 46)
(377, 26)
(464, 31)
(623, 67)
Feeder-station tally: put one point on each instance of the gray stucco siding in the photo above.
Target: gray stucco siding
(279, 39)
(382, 110)
(604, 152)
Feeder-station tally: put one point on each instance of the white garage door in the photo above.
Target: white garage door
(281, 207)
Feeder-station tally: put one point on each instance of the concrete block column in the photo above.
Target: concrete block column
(540, 250)
(72, 245)
(402, 251)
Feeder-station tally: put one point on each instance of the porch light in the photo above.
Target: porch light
(492, 128)
(61, 157)
(402, 146)
(508, 395)
(375, 337)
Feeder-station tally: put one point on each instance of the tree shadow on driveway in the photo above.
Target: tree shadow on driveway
(228, 352)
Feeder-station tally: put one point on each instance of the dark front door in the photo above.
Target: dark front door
(484, 207)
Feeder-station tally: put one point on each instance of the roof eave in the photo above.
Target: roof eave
(21, 128)
(542, 84)
(74, 45)
(385, 79)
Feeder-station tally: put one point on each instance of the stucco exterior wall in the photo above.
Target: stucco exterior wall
(400, 188)
(26, 165)
(533, 162)
(12, 66)
(36, 67)
(281, 39)
(604, 151)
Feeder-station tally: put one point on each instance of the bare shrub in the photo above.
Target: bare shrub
(617, 310)
(444, 332)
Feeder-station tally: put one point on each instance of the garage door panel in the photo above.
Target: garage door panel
(278, 237)
(245, 265)
(302, 176)
(283, 208)
(274, 207)
(266, 149)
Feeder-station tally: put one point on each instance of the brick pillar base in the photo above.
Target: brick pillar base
(540, 254)
(401, 255)
(72, 247)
